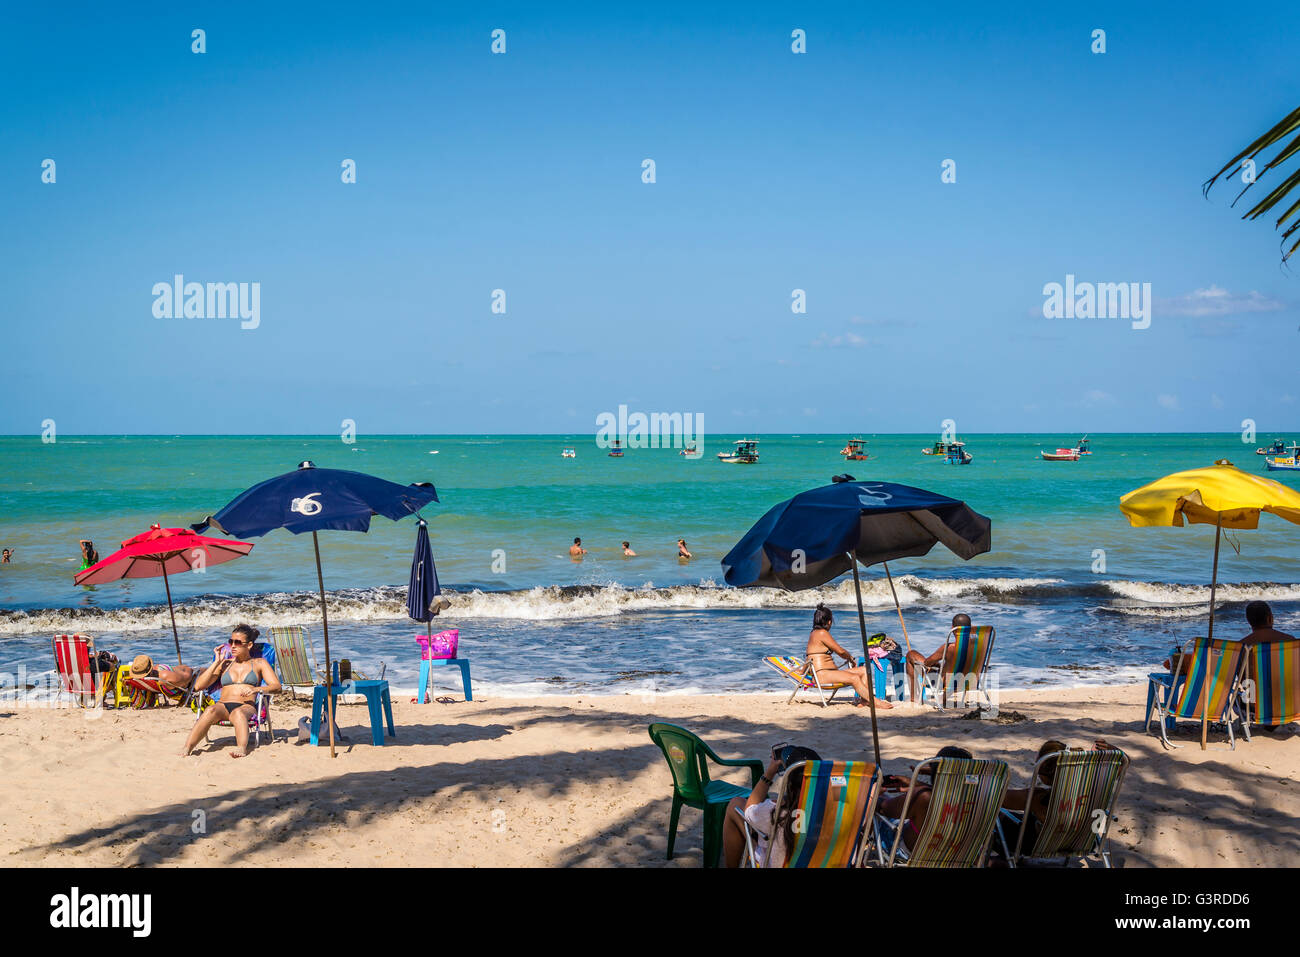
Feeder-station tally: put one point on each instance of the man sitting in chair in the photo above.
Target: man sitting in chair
(947, 653)
(1260, 618)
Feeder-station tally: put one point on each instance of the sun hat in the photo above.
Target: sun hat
(141, 666)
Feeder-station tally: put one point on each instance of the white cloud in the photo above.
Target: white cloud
(1167, 401)
(1217, 301)
(1098, 397)
(847, 339)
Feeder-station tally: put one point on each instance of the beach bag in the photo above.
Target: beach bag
(881, 644)
(439, 646)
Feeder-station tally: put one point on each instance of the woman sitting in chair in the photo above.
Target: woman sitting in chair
(759, 811)
(241, 677)
(821, 646)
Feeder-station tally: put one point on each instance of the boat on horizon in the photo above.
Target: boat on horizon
(1061, 455)
(854, 450)
(1283, 463)
(1279, 447)
(691, 452)
(746, 453)
(568, 453)
(956, 454)
(939, 448)
(616, 452)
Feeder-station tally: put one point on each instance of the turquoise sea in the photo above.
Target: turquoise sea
(1076, 594)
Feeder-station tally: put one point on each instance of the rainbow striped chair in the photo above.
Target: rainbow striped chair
(833, 815)
(970, 666)
(965, 799)
(1080, 803)
(1271, 690)
(804, 677)
(1206, 683)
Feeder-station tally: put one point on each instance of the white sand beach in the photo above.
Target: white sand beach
(563, 781)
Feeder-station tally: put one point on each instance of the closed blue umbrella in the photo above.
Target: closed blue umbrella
(423, 591)
(820, 534)
(309, 500)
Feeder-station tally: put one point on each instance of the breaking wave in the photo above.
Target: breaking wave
(605, 600)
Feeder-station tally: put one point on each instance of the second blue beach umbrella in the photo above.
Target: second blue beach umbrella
(824, 532)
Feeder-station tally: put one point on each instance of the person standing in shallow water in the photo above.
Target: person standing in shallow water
(576, 551)
(627, 550)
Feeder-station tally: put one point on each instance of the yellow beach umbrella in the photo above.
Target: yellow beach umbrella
(1223, 496)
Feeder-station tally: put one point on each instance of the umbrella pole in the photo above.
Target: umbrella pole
(175, 634)
(899, 607)
(325, 628)
(866, 657)
(1214, 584)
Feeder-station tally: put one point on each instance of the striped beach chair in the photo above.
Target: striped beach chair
(834, 811)
(1271, 692)
(1206, 683)
(804, 676)
(291, 644)
(74, 657)
(1080, 804)
(969, 668)
(965, 798)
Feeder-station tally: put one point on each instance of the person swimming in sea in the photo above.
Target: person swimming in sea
(241, 676)
(8, 554)
(627, 550)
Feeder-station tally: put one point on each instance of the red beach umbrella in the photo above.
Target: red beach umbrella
(163, 551)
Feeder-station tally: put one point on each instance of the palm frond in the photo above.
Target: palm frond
(1287, 128)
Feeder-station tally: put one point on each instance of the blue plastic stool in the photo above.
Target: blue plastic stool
(1164, 680)
(377, 697)
(883, 679)
(461, 663)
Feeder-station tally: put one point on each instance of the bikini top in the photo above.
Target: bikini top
(252, 678)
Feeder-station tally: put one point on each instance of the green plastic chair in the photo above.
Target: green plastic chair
(688, 759)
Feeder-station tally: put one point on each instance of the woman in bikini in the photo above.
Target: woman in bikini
(821, 647)
(242, 676)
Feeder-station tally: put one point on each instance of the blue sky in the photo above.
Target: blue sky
(522, 172)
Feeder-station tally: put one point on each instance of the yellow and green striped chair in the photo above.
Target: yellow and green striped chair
(1079, 807)
(965, 798)
(1271, 692)
(969, 668)
(1205, 686)
(832, 815)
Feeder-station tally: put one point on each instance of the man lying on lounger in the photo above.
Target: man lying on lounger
(947, 651)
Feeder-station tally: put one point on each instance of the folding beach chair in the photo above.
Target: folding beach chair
(291, 644)
(151, 692)
(78, 673)
(1206, 681)
(688, 759)
(833, 815)
(969, 667)
(804, 677)
(1271, 692)
(965, 798)
(1080, 803)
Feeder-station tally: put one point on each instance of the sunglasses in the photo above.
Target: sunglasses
(234, 642)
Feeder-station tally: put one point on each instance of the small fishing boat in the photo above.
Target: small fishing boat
(855, 450)
(1082, 448)
(616, 451)
(691, 452)
(746, 453)
(956, 454)
(569, 453)
(939, 448)
(1283, 463)
(1279, 447)
(1061, 455)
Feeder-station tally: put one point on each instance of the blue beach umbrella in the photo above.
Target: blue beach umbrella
(310, 500)
(824, 532)
(423, 592)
